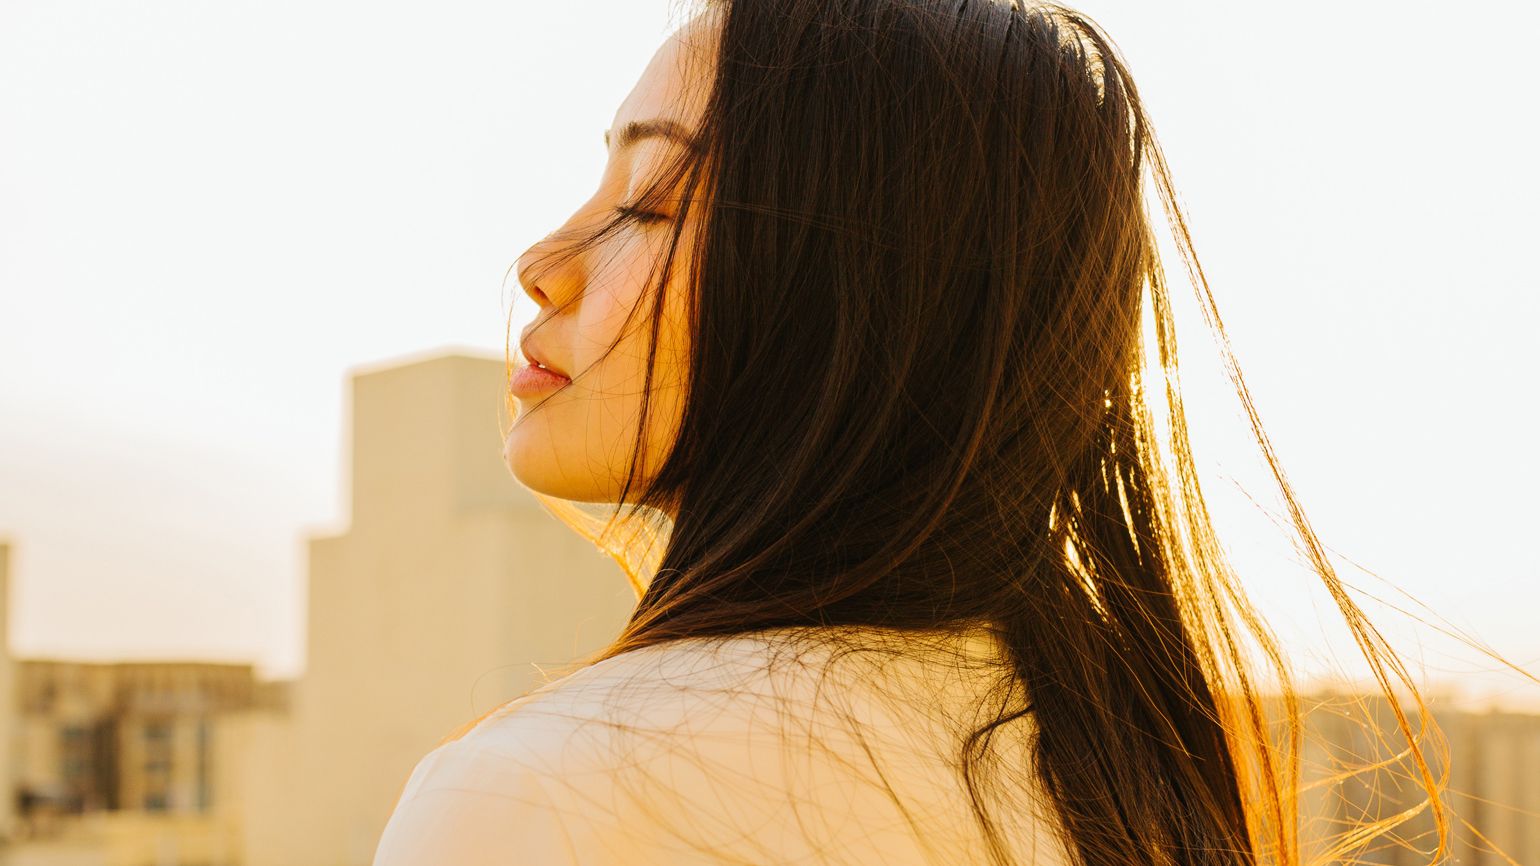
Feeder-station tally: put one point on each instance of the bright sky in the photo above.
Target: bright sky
(211, 212)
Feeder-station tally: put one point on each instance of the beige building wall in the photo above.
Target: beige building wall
(119, 763)
(1510, 785)
(1493, 784)
(448, 589)
(443, 598)
(8, 747)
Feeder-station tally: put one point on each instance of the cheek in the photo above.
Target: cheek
(618, 307)
(592, 424)
(610, 296)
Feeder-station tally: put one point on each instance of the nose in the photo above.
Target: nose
(527, 277)
(553, 271)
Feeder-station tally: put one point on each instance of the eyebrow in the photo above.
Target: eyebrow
(638, 130)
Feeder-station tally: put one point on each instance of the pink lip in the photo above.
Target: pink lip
(530, 379)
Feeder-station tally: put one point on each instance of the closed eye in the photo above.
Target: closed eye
(642, 216)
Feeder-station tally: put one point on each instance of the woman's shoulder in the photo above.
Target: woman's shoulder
(595, 766)
(680, 690)
(774, 681)
(531, 781)
(718, 744)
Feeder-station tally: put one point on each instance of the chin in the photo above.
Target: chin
(531, 462)
(531, 469)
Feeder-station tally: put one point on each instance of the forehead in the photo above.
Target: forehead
(675, 83)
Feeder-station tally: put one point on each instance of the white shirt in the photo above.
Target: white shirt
(704, 751)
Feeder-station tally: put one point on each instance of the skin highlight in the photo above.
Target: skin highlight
(574, 443)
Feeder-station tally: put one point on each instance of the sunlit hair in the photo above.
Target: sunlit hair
(919, 397)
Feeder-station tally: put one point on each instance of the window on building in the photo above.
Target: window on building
(75, 760)
(156, 765)
(204, 735)
(75, 770)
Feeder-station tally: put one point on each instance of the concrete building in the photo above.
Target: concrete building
(447, 593)
(120, 762)
(1493, 786)
(7, 702)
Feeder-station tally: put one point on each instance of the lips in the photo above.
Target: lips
(529, 381)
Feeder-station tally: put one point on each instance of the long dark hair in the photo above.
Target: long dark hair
(917, 399)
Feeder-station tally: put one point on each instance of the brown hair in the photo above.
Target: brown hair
(931, 218)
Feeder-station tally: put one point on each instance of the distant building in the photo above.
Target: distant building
(7, 702)
(125, 756)
(448, 592)
(1494, 781)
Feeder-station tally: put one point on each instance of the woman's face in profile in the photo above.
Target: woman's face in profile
(574, 442)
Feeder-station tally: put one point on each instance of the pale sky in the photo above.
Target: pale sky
(211, 212)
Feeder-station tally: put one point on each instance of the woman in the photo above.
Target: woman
(850, 335)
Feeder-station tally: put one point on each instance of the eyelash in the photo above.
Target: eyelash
(641, 216)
